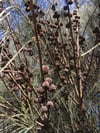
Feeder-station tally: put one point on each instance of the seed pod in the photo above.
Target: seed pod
(45, 69)
(50, 104)
(81, 38)
(65, 7)
(65, 34)
(15, 88)
(70, 15)
(53, 7)
(69, 39)
(45, 85)
(68, 25)
(61, 24)
(19, 80)
(27, 3)
(66, 14)
(30, 51)
(42, 99)
(30, 74)
(10, 55)
(36, 100)
(28, 9)
(44, 109)
(46, 53)
(53, 26)
(74, 12)
(58, 66)
(77, 17)
(49, 80)
(30, 44)
(41, 34)
(41, 13)
(57, 23)
(52, 88)
(56, 15)
(41, 90)
(29, 89)
(22, 66)
(63, 78)
(35, 6)
(70, 2)
(96, 30)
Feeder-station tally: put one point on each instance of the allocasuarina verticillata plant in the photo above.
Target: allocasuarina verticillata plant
(51, 100)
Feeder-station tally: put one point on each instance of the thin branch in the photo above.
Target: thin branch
(37, 39)
(90, 50)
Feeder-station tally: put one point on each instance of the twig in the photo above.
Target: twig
(37, 39)
(90, 50)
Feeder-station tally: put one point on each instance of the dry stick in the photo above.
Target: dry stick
(63, 51)
(50, 54)
(37, 39)
(73, 43)
(71, 34)
(73, 82)
(79, 65)
(90, 50)
(71, 78)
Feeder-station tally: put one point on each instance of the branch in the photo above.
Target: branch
(90, 50)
